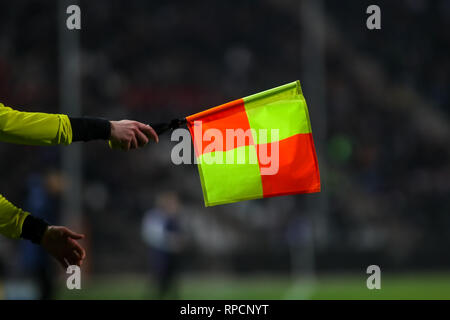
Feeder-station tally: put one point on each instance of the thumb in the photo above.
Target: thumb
(74, 235)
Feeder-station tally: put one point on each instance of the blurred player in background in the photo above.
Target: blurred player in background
(161, 231)
(43, 199)
(31, 128)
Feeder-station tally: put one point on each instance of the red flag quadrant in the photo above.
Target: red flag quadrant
(267, 148)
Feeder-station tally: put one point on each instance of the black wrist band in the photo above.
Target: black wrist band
(33, 229)
(89, 128)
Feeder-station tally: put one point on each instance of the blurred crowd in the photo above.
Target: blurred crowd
(384, 159)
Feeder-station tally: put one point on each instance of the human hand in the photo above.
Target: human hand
(60, 242)
(128, 134)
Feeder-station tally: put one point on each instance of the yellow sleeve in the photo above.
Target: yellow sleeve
(11, 219)
(34, 128)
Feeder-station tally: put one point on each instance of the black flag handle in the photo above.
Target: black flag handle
(161, 128)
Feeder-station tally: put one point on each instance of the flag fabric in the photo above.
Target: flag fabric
(269, 149)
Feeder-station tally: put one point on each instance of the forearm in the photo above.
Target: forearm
(90, 128)
(37, 128)
(11, 219)
(34, 128)
(16, 223)
(50, 129)
(33, 229)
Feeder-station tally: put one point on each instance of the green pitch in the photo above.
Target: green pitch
(345, 286)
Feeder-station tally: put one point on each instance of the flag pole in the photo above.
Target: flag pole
(161, 128)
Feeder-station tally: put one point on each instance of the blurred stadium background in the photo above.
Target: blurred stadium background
(379, 106)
